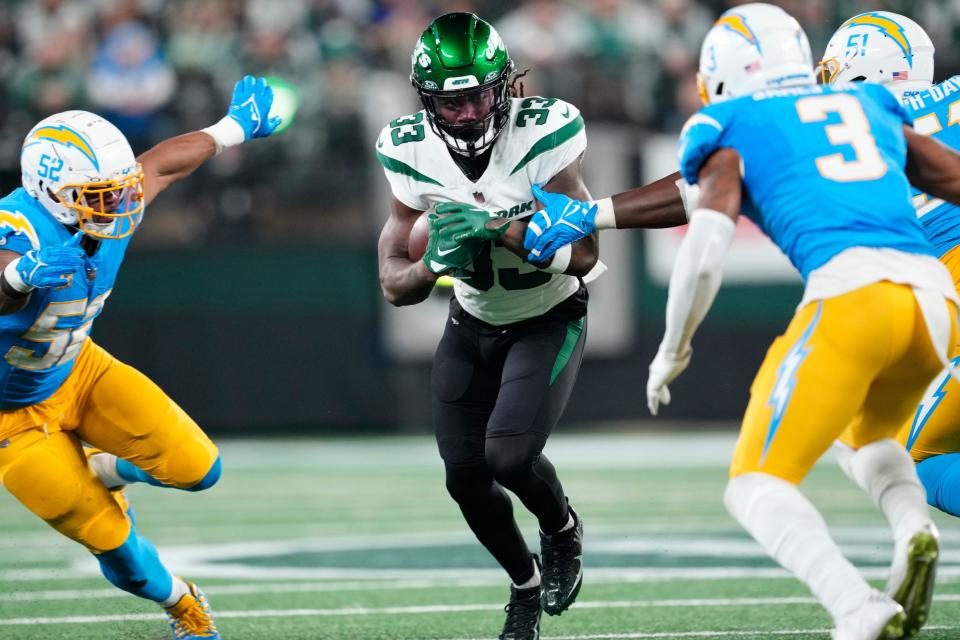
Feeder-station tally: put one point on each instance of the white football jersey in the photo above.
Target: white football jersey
(541, 138)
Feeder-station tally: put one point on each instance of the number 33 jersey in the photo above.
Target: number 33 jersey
(542, 137)
(40, 342)
(823, 168)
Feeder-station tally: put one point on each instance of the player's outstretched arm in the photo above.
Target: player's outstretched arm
(576, 259)
(402, 280)
(178, 157)
(663, 203)
(932, 166)
(696, 273)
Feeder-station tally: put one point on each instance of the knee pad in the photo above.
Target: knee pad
(210, 479)
(135, 567)
(940, 476)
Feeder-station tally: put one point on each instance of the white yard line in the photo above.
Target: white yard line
(640, 635)
(444, 608)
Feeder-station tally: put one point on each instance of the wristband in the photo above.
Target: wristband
(11, 283)
(226, 133)
(561, 260)
(605, 218)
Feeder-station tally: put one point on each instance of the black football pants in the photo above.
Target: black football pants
(498, 391)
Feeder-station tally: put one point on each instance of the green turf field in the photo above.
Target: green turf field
(357, 540)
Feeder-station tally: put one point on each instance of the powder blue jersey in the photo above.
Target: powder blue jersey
(822, 168)
(934, 113)
(40, 342)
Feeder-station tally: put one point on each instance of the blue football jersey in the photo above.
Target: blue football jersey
(823, 168)
(40, 342)
(934, 113)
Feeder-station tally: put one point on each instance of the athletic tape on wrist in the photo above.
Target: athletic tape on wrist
(561, 260)
(226, 133)
(605, 219)
(10, 278)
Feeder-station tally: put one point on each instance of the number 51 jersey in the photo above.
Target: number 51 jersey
(541, 138)
(823, 168)
(39, 343)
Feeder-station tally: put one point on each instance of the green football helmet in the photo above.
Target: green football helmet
(460, 65)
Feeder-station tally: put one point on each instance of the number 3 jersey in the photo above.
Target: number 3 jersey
(822, 168)
(40, 342)
(542, 137)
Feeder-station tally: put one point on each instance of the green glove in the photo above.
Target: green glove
(464, 222)
(443, 253)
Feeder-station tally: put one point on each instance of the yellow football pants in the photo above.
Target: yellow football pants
(934, 426)
(113, 407)
(856, 364)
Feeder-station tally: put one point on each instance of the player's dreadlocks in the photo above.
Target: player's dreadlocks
(515, 90)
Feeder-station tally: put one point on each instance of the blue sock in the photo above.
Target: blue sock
(940, 476)
(135, 567)
(132, 473)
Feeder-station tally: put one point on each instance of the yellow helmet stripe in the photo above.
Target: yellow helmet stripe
(67, 136)
(888, 27)
(735, 22)
(19, 223)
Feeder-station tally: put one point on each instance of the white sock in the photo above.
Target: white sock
(180, 589)
(886, 472)
(793, 533)
(534, 581)
(570, 523)
(105, 466)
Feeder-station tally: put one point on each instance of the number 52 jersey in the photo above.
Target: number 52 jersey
(541, 138)
(39, 343)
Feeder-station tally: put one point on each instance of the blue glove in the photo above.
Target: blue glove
(562, 221)
(49, 266)
(250, 105)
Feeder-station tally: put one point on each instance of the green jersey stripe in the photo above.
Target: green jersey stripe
(574, 329)
(551, 141)
(392, 164)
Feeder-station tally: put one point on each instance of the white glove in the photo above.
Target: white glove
(663, 370)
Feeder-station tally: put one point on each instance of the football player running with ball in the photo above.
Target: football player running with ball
(62, 239)
(512, 346)
(871, 277)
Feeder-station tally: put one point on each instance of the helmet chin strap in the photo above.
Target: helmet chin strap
(457, 145)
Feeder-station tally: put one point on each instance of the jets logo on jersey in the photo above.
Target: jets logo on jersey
(64, 135)
(738, 25)
(887, 27)
(19, 223)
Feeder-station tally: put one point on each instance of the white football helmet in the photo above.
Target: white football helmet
(882, 47)
(82, 170)
(750, 48)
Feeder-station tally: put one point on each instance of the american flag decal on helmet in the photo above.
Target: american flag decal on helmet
(900, 75)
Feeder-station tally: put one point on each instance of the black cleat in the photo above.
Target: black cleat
(523, 615)
(562, 567)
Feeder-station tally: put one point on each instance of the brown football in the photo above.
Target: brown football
(417, 242)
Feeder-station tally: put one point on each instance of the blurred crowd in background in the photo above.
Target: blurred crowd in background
(157, 68)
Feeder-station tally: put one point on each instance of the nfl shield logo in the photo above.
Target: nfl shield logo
(478, 197)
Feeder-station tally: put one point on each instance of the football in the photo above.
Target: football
(417, 242)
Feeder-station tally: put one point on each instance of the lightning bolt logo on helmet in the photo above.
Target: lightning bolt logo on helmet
(738, 24)
(888, 27)
(65, 136)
